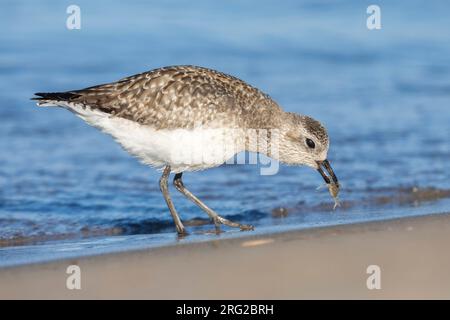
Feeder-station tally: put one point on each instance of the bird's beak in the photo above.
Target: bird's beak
(332, 177)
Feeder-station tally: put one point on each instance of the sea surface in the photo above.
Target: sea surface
(67, 189)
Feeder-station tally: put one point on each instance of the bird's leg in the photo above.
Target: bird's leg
(218, 220)
(163, 184)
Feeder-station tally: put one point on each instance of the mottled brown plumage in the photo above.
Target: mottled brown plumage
(182, 97)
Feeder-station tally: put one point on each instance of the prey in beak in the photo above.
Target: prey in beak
(331, 180)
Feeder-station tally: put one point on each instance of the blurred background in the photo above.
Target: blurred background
(384, 96)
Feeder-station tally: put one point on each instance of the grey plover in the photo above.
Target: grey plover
(168, 116)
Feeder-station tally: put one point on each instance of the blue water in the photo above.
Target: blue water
(384, 96)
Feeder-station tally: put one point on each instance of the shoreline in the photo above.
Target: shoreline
(431, 200)
(324, 262)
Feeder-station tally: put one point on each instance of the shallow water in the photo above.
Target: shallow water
(383, 95)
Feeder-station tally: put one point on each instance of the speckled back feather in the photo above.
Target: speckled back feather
(180, 97)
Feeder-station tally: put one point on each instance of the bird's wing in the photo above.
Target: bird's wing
(172, 97)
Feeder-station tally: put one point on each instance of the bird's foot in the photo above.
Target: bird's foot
(181, 231)
(220, 220)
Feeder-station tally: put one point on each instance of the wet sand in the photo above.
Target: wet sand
(331, 262)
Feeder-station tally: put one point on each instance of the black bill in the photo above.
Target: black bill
(328, 178)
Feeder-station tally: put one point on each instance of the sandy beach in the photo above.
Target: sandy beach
(325, 263)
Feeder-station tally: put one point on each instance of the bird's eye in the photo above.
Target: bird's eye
(310, 143)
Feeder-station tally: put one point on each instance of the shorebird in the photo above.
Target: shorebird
(167, 116)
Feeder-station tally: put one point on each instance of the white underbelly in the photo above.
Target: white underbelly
(182, 149)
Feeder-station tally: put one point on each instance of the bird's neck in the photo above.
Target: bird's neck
(263, 130)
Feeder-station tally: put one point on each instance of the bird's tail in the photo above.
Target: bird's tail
(48, 99)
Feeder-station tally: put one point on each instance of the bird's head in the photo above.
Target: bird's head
(304, 141)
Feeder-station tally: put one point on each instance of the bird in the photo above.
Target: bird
(187, 118)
